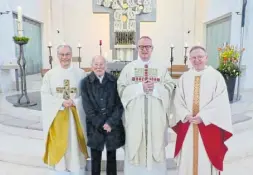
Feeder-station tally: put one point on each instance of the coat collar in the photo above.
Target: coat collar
(107, 76)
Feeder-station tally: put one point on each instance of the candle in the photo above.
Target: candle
(171, 45)
(49, 44)
(20, 27)
(100, 42)
(79, 45)
(185, 44)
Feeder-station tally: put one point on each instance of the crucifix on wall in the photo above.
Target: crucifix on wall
(125, 18)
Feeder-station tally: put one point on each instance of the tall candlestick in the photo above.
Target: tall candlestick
(20, 25)
(185, 54)
(50, 54)
(171, 58)
(79, 54)
(100, 45)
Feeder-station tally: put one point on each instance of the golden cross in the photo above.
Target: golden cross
(66, 90)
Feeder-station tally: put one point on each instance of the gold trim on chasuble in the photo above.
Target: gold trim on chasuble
(57, 139)
(195, 110)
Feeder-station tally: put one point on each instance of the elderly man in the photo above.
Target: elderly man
(203, 118)
(145, 88)
(65, 144)
(103, 110)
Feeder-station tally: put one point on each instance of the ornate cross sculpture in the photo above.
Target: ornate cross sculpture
(125, 18)
(145, 74)
(66, 90)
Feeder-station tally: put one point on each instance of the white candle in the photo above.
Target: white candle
(50, 44)
(79, 45)
(171, 45)
(185, 44)
(20, 26)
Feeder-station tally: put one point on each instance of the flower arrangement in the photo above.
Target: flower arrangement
(229, 57)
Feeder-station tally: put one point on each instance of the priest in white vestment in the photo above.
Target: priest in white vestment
(63, 116)
(145, 88)
(203, 118)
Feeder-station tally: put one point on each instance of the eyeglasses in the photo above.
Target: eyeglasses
(199, 57)
(62, 55)
(147, 47)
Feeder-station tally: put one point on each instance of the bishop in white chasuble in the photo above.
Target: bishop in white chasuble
(64, 132)
(203, 118)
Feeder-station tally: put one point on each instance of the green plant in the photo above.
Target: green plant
(229, 57)
(21, 39)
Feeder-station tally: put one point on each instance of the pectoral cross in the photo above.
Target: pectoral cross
(66, 90)
(145, 74)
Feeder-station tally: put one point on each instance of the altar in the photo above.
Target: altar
(5, 68)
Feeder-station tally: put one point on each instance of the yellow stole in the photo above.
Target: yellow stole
(57, 139)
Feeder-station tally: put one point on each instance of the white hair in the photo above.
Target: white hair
(62, 46)
(98, 56)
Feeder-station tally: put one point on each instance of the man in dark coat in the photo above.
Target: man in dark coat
(104, 110)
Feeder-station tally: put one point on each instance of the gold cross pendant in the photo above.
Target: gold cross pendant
(66, 90)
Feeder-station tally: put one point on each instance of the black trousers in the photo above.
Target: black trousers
(111, 165)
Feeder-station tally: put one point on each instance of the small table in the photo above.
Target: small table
(9, 67)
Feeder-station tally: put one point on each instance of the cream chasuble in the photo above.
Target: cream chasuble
(145, 117)
(200, 149)
(64, 133)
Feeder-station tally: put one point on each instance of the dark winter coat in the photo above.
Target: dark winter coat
(102, 105)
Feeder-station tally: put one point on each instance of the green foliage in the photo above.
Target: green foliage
(229, 57)
(21, 39)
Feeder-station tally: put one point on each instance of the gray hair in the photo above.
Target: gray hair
(145, 37)
(198, 47)
(98, 56)
(62, 46)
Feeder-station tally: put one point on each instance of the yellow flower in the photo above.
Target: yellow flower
(124, 18)
(125, 6)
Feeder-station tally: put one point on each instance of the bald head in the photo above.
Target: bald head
(98, 65)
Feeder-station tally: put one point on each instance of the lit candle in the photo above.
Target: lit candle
(20, 26)
(49, 44)
(79, 45)
(171, 45)
(185, 44)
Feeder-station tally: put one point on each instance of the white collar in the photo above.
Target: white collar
(144, 62)
(68, 69)
(199, 72)
(100, 78)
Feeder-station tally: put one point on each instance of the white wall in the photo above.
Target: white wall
(218, 8)
(33, 9)
(77, 23)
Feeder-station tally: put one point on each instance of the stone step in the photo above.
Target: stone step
(25, 147)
